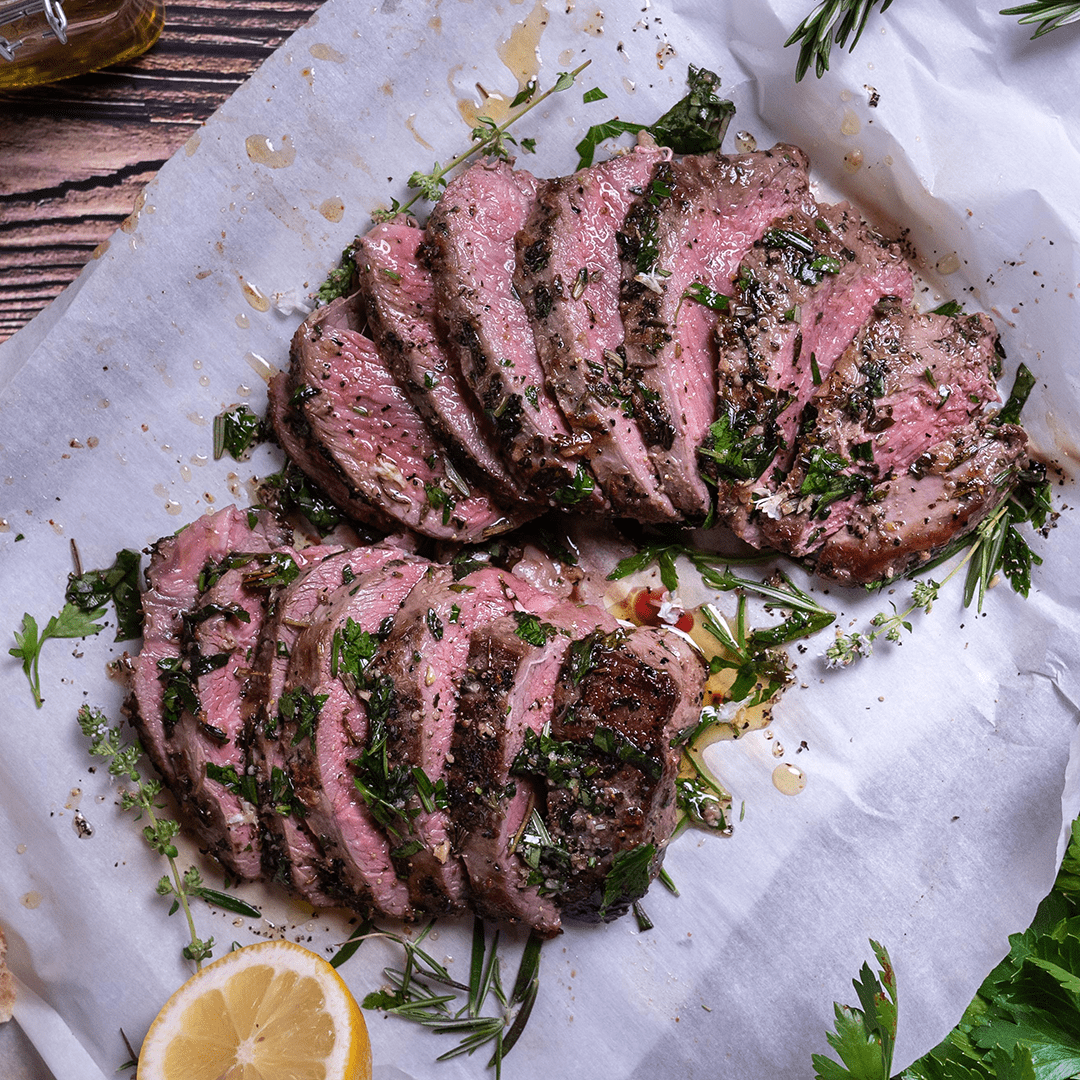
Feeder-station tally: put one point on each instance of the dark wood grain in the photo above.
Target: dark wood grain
(74, 155)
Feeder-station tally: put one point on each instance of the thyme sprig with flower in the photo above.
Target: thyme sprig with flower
(108, 742)
(994, 547)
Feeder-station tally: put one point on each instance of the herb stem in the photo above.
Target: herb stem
(179, 889)
(493, 136)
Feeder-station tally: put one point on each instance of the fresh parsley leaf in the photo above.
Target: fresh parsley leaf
(595, 94)
(70, 623)
(710, 298)
(864, 1038)
(339, 281)
(576, 490)
(290, 490)
(531, 629)
(301, 706)
(696, 124)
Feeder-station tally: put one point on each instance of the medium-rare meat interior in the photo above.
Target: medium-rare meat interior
(665, 339)
(354, 722)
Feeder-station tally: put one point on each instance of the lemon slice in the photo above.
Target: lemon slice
(273, 1011)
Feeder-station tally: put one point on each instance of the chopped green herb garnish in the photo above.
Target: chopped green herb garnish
(694, 125)
(531, 629)
(236, 431)
(119, 583)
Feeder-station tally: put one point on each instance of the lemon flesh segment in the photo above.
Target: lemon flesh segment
(273, 1011)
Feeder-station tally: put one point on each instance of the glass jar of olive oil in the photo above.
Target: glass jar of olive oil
(44, 40)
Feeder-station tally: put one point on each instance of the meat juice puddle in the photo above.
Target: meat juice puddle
(642, 607)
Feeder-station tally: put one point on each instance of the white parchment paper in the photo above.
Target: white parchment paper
(933, 811)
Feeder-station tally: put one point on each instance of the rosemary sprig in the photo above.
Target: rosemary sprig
(412, 997)
(831, 20)
(108, 742)
(1050, 14)
(488, 138)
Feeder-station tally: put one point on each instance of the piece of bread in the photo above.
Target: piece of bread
(7, 984)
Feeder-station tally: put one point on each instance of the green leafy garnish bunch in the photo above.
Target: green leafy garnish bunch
(694, 125)
(1023, 1024)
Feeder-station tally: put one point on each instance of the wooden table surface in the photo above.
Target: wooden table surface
(75, 154)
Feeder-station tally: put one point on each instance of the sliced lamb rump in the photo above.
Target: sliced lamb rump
(208, 748)
(689, 231)
(173, 587)
(948, 491)
(509, 677)
(802, 293)
(291, 853)
(363, 424)
(609, 766)
(421, 663)
(905, 384)
(294, 436)
(399, 302)
(568, 277)
(470, 249)
(324, 724)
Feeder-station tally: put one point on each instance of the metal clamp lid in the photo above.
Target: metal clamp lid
(13, 11)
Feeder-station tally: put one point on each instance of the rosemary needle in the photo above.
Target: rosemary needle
(1049, 13)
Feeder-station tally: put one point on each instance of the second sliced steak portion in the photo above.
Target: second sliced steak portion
(421, 664)
(326, 713)
(471, 251)
(292, 854)
(687, 234)
(567, 274)
(905, 384)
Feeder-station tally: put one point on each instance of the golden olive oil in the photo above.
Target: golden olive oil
(45, 40)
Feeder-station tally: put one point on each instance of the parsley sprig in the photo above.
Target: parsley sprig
(108, 742)
(412, 996)
(1021, 1025)
(70, 623)
(864, 1038)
